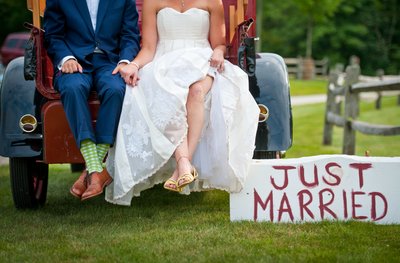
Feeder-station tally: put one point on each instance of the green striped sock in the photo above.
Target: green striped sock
(102, 150)
(89, 152)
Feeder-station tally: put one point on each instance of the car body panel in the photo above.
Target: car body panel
(17, 97)
(273, 91)
(58, 142)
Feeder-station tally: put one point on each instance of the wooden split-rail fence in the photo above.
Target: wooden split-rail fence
(350, 91)
(296, 67)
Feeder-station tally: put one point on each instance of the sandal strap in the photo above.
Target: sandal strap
(187, 179)
(184, 176)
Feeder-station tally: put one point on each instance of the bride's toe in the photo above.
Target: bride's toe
(172, 183)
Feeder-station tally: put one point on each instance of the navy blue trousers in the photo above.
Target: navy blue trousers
(75, 89)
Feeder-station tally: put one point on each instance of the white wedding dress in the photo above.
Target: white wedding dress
(153, 119)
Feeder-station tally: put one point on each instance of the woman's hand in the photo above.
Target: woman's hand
(129, 72)
(217, 60)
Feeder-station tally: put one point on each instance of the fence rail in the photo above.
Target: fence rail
(382, 85)
(349, 93)
(295, 67)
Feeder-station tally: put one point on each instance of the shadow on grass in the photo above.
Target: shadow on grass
(156, 204)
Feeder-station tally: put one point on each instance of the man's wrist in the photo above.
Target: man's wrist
(124, 61)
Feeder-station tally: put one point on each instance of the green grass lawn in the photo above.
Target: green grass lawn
(307, 87)
(308, 121)
(162, 226)
(165, 227)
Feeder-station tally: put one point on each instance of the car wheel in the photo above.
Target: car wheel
(29, 180)
(266, 155)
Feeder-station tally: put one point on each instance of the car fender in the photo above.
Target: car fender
(17, 98)
(272, 89)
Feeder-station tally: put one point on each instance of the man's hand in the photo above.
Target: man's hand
(71, 66)
(119, 67)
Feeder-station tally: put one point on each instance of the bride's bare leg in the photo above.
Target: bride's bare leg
(195, 118)
(182, 158)
(195, 111)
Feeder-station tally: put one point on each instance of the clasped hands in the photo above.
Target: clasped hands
(129, 72)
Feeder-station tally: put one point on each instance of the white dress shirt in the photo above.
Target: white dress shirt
(93, 6)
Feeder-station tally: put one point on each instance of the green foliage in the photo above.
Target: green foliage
(368, 29)
(279, 33)
(13, 14)
(317, 10)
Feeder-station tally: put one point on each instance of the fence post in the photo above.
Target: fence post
(331, 106)
(351, 109)
(378, 102)
(299, 70)
(325, 67)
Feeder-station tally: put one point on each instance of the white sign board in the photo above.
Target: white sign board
(326, 187)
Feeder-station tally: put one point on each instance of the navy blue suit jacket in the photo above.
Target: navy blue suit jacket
(69, 30)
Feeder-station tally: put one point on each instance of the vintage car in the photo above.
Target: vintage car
(34, 131)
(13, 46)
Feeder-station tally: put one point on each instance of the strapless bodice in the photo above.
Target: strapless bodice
(177, 30)
(191, 24)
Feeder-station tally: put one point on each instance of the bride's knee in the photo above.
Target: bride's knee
(196, 93)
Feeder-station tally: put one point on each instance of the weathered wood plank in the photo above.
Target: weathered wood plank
(336, 119)
(376, 86)
(351, 109)
(375, 129)
(338, 91)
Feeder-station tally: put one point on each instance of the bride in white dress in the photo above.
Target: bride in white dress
(186, 101)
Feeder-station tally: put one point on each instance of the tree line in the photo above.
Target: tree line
(335, 29)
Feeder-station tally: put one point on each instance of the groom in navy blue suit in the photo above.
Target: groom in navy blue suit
(89, 41)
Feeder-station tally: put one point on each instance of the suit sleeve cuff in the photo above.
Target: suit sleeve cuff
(124, 61)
